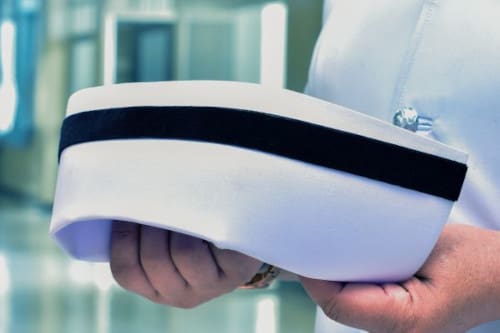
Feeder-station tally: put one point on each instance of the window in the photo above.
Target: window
(19, 39)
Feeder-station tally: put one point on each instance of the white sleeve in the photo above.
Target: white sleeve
(327, 7)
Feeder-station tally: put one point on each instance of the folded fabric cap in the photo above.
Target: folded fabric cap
(294, 181)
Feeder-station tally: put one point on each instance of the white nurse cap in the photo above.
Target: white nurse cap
(302, 184)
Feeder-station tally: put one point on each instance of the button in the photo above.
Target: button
(408, 118)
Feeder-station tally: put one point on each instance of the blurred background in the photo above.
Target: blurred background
(51, 48)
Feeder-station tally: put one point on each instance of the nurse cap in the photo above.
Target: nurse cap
(299, 183)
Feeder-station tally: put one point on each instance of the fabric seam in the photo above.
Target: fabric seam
(410, 56)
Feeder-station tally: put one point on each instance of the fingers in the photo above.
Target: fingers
(193, 259)
(208, 270)
(124, 259)
(448, 294)
(158, 266)
(236, 268)
(172, 268)
(378, 308)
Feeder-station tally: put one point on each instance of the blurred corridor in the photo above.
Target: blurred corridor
(48, 50)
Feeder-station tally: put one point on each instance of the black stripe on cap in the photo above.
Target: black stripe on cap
(291, 138)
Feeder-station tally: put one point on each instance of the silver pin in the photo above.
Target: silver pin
(408, 118)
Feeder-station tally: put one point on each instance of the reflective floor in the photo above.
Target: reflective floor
(42, 290)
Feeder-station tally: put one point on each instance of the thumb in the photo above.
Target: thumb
(377, 308)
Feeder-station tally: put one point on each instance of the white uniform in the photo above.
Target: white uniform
(439, 57)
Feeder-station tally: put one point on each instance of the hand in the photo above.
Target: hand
(172, 268)
(457, 288)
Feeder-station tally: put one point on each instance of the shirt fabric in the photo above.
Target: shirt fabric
(439, 57)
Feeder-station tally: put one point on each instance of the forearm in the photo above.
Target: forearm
(470, 264)
(490, 309)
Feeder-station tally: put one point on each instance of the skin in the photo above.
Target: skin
(457, 288)
(174, 269)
